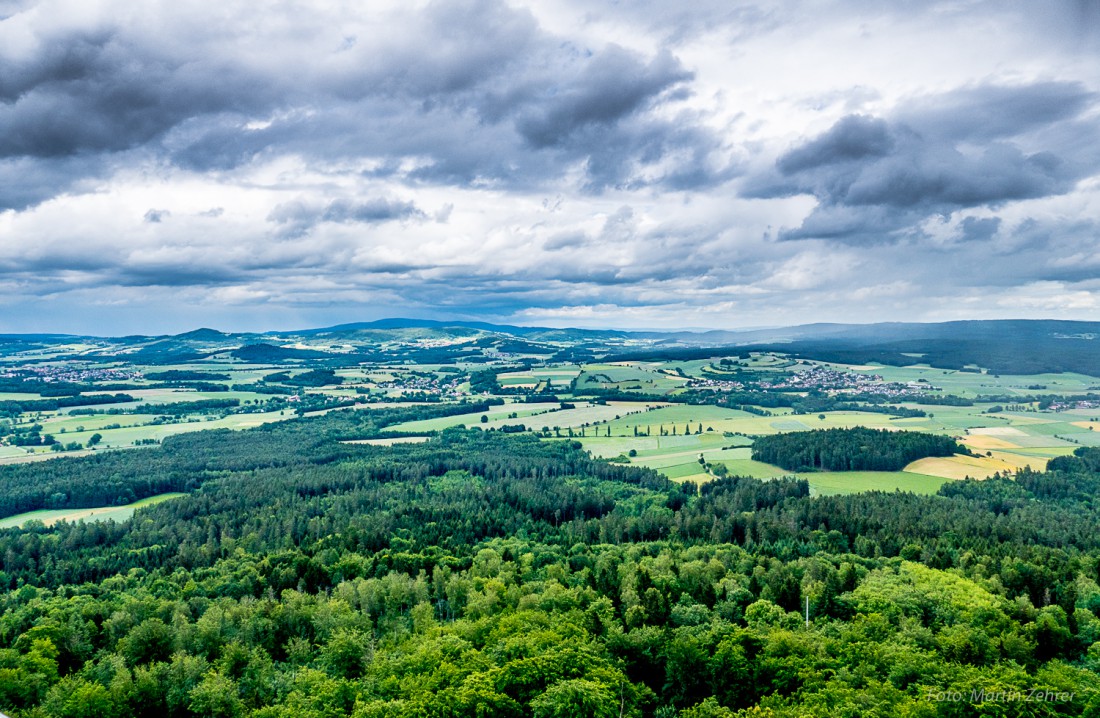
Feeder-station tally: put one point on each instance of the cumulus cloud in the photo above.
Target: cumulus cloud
(472, 92)
(609, 86)
(597, 160)
(876, 177)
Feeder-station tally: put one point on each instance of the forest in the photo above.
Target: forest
(854, 449)
(493, 574)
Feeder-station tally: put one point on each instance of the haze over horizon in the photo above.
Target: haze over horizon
(168, 166)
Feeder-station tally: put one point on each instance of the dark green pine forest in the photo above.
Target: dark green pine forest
(488, 574)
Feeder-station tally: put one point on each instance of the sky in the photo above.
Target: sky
(590, 163)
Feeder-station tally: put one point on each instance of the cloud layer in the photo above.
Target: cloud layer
(725, 164)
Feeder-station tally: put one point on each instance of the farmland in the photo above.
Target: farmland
(674, 422)
(49, 517)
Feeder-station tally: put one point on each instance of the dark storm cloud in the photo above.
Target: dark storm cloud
(101, 91)
(982, 146)
(515, 129)
(176, 275)
(50, 263)
(975, 229)
(477, 92)
(853, 138)
(26, 181)
(610, 86)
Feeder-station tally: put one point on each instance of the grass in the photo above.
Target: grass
(657, 446)
(18, 396)
(650, 377)
(104, 513)
(560, 376)
(828, 483)
(135, 427)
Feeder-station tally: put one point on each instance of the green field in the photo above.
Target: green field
(850, 482)
(558, 376)
(18, 396)
(104, 513)
(649, 377)
(969, 384)
(12, 452)
(677, 457)
(136, 427)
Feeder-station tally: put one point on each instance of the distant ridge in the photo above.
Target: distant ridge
(1014, 346)
(1011, 346)
(880, 331)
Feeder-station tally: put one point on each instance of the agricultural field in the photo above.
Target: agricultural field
(534, 416)
(827, 483)
(971, 384)
(1007, 442)
(18, 396)
(105, 513)
(497, 415)
(667, 437)
(557, 376)
(132, 429)
(646, 377)
(677, 457)
(720, 419)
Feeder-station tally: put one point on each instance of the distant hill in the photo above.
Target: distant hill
(203, 335)
(1010, 346)
(1002, 346)
(546, 333)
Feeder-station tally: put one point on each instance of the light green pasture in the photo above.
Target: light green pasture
(104, 513)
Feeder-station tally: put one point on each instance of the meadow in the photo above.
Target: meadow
(104, 513)
(132, 428)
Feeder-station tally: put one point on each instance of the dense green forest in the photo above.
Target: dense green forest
(855, 449)
(487, 574)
